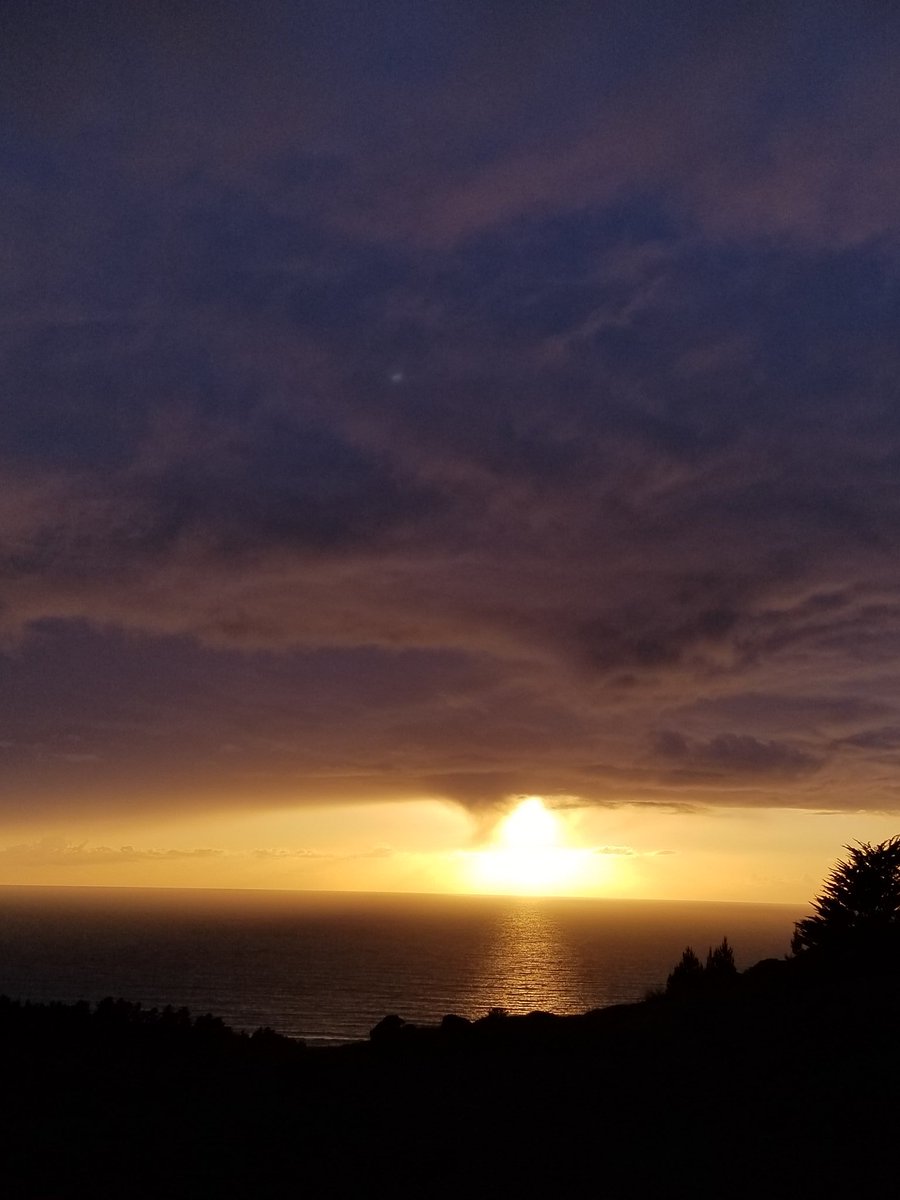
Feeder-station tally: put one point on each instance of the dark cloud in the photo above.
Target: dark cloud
(418, 405)
(763, 712)
(885, 738)
(736, 756)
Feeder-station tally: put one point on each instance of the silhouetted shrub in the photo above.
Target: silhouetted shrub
(455, 1025)
(388, 1029)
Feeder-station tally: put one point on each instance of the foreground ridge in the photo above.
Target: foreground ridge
(115, 1100)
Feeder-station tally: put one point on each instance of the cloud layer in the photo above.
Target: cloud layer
(422, 405)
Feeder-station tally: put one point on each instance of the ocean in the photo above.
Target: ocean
(326, 966)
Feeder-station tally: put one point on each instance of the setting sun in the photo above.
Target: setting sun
(528, 855)
(530, 827)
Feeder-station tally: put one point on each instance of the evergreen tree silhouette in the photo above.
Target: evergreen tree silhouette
(686, 977)
(720, 962)
(858, 913)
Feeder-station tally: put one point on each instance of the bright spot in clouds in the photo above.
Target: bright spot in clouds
(528, 856)
(529, 827)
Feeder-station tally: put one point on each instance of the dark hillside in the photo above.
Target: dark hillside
(780, 1087)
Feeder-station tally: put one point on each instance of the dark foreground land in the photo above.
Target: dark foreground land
(780, 1083)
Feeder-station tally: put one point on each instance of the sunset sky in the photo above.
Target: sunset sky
(409, 408)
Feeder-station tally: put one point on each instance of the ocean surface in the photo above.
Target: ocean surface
(327, 966)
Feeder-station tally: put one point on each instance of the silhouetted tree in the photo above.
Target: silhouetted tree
(720, 962)
(690, 977)
(686, 976)
(858, 913)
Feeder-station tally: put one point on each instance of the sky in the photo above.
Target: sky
(411, 407)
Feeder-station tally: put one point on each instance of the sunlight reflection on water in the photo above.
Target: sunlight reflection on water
(527, 965)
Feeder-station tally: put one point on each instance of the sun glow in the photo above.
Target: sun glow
(528, 855)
